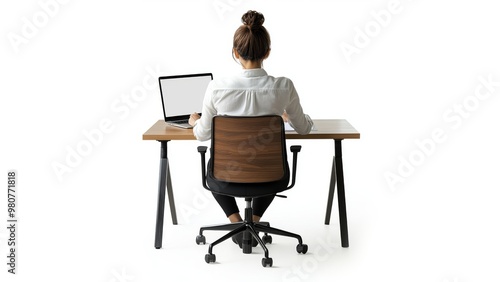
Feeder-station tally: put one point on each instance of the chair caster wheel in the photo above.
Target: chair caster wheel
(210, 258)
(200, 240)
(267, 262)
(302, 249)
(267, 239)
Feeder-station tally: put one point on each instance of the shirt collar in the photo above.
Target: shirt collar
(253, 72)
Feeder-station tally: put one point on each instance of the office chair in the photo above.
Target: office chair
(248, 160)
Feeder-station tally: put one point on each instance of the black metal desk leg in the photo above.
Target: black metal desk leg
(331, 192)
(164, 181)
(170, 194)
(341, 193)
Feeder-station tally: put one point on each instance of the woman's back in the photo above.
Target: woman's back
(253, 92)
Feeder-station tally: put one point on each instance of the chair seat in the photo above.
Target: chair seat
(247, 190)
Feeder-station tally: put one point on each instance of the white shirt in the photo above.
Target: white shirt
(251, 93)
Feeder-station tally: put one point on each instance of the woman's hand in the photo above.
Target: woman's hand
(193, 118)
(285, 117)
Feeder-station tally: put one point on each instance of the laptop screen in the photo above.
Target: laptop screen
(183, 94)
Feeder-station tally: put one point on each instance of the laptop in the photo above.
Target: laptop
(182, 95)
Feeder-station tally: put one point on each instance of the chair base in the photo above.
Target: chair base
(250, 230)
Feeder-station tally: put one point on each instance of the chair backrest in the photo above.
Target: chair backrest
(248, 149)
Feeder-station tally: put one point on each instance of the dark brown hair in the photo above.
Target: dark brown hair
(251, 40)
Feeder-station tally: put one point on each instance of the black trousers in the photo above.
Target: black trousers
(228, 204)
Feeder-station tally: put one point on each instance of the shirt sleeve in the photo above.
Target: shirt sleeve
(203, 127)
(301, 122)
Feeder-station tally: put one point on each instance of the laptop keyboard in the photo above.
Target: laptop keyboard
(179, 121)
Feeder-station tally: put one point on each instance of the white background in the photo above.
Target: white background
(80, 66)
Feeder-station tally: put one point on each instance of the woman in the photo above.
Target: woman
(251, 93)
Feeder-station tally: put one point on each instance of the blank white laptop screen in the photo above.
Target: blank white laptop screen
(183, 94)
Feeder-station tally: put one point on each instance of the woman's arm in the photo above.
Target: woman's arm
(301, 122)
(203, 125)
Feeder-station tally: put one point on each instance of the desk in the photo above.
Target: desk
(335, 129)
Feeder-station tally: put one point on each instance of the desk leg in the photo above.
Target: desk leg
(341, 193)
(170, 194)
(331, 192)
(164, 181)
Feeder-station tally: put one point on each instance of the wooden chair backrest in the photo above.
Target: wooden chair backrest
(248, 149)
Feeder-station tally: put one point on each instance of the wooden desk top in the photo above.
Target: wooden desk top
(325, 129)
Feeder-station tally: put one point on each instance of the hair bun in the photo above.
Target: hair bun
(253, 19)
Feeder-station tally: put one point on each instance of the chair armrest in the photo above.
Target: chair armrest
(295, 149)
(202, 150)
